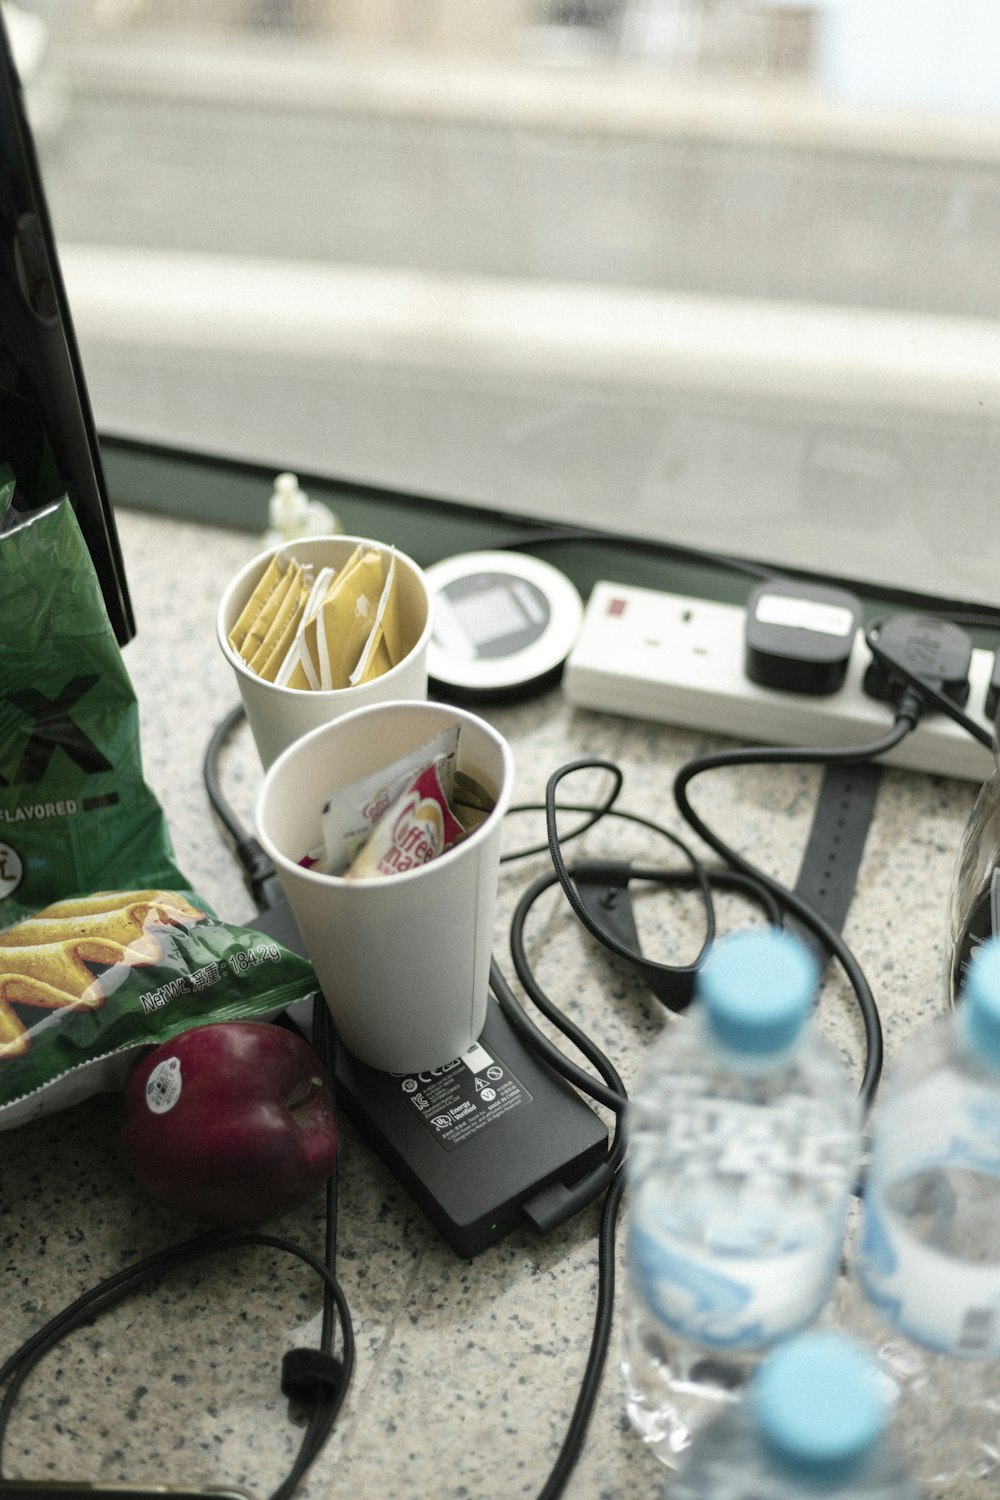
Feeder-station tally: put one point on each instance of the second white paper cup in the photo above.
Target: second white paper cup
(280, 715)
(403, 960)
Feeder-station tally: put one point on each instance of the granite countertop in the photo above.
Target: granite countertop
(467, 1371)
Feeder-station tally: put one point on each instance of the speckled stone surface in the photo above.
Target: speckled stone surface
(467, 1370)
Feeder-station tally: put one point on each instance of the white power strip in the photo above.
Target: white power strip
(679, 660)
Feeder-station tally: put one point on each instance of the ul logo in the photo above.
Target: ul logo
(50, 724)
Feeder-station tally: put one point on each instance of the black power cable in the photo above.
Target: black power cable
(907, 716)
(327, 1386)
(315, 1378)
(258, 872)
(572, 1444)
(609, 1177)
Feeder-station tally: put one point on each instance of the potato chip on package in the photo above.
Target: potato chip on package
(89, 981)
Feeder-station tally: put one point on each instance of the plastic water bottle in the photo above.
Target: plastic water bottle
(975, 896)
(291, 514)
(815, 1422)
(929, 1252)
(744, 1148)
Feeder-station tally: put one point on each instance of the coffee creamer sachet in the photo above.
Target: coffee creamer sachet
(401, 815)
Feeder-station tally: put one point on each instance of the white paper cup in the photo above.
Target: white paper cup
(280, 715)
(403, 960)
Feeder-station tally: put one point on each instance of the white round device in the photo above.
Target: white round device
(503, 622)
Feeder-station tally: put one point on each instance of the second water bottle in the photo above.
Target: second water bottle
(929, 1256)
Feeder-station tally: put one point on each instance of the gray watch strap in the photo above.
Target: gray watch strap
(832, 857)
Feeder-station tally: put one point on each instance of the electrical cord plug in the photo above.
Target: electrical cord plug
(915, 652)
(259, 875)
(558, 1202)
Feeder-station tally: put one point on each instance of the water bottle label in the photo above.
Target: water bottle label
(953, 1308)
(731, 1302)
(929, 1256)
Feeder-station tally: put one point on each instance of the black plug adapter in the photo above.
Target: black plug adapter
(910, 650)
(799, 636)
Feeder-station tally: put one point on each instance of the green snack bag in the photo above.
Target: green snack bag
(103, 948)
(75, 812)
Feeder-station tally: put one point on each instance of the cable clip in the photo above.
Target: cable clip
(603, 888)
(309, 1374)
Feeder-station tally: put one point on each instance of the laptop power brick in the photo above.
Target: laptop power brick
(484, 1143)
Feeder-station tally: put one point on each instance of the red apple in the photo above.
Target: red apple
(231, 1123)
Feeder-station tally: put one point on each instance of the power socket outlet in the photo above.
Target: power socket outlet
(679, 660)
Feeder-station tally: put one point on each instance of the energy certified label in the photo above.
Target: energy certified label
(465, 1096)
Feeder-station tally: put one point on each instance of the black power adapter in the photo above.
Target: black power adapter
(799, 636)
(493, 1139)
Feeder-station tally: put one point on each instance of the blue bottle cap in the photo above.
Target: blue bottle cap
(757, 987)
(818, 1405)
(981, 1002)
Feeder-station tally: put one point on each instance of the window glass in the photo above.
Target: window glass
(716, 273)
